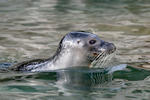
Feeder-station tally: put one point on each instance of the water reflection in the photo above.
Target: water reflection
(65, 82)
(80, 83)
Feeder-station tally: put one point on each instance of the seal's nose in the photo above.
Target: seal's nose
(109, 47)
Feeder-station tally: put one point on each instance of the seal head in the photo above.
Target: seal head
(80, 48)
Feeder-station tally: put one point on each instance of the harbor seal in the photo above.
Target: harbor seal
(78, 48)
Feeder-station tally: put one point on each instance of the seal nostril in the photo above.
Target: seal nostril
(112, 47)
(109, 47)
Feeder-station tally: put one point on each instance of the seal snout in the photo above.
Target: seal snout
(111, 47)
(108, 47)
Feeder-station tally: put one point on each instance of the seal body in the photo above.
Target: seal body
(75, 49)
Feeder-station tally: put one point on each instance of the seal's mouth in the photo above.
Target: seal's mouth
(95, 54)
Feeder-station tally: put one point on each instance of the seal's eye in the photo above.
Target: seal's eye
(92, 41)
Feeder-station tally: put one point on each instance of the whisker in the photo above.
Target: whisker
(100, 64)
(100, 60)
(99, 57)
(105, 60)
(109, 59)
(96, 58)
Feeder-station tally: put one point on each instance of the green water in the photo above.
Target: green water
(33, 28)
